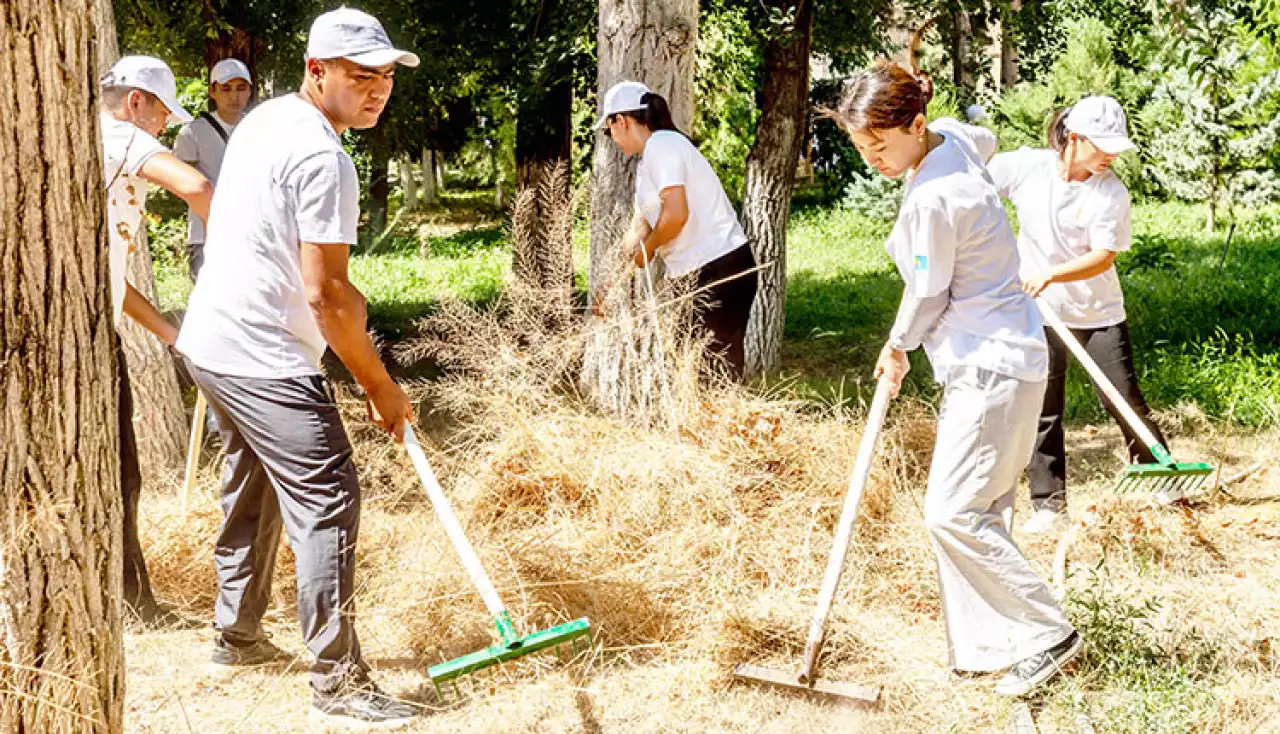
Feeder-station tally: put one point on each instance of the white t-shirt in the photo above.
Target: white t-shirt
(201, 146)
(712, 229)
(952, 235)
(1061, 221)
(285, 180)
(125, 149)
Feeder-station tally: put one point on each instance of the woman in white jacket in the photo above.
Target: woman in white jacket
(964, 303)
(1074, 216)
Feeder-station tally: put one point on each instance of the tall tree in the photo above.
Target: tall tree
(771, 171)
(61, 658)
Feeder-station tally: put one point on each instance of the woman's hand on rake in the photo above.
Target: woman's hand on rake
(892, 366)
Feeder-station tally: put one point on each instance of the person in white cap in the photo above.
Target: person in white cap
(273, 294)
(203, 141)
(1074, 214)
(139, 99)
(683, 215)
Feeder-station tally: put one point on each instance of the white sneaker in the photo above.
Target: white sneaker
(1041, 522)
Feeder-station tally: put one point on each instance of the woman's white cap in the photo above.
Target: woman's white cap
(347, 33)
(150, 75)
(1101, 120)
(228, 69)
(622, 97)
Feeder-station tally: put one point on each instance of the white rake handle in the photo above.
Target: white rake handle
(1099, 378)
(193, 448)
(452, 528)
(844, 530)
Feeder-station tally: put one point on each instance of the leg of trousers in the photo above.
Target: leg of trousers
(288, 463)
(137, 584)
(728, 306)
(1111, 348)
(997, 609)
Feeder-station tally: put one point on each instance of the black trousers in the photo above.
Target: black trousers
(1111, 348)
(137, 585)
(727, 306)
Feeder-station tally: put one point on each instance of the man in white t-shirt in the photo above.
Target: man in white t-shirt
(139, 99)
(203, 141)
(274, 292)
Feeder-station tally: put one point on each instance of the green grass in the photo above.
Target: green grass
(1201, 337)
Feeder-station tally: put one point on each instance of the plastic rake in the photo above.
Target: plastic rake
(1166, 478)
(510, 644)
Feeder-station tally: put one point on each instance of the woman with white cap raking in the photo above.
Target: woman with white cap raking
(683, 215)
(1074, 215)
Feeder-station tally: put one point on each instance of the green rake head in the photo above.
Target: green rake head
(511, 646)
(1167, 478)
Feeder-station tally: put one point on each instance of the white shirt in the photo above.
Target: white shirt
(712, 230)
(201, 146)
(285, 180)
(952, 235)
(125, 149)
(1061, 221)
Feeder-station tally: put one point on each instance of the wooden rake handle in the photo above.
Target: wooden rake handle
(194, 445)
(844, 529)
(1100, 379)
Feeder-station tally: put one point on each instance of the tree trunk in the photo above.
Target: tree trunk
(61, 658)
(650, 41)
(159, 416)
(428, 177)
(961, 45)
(379, 189)
(437, 165)
(226, 37)
(544, 123)
(771, 171)
(1008, 47)
(408, 184)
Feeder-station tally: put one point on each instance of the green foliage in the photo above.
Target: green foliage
(873, 195)
(728, 64)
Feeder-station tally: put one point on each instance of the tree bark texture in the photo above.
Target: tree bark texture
(159, 415)
(771, 172)
(227, 38)
(408, 183)
(429, 177)
(61, 658)
(544, 260)
(650, 41)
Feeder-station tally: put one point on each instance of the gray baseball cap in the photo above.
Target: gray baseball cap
(347, 33)
(150, 75)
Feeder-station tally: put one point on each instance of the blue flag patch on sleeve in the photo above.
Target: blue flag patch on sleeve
(922, 262)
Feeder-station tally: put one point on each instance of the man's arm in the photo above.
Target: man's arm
(140, 309)
(341, 314)
(166, 171)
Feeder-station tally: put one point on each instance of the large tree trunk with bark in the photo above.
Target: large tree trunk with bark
(650, 41)
(543, 136)
(771, 172)
(61, 658)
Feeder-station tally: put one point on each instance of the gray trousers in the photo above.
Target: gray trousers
(998, 610)
(288, 459)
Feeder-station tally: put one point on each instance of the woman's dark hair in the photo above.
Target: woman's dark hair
(1056, 131)
(884, 97)
(656, 115)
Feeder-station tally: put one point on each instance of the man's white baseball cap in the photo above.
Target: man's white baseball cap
(150, 75)
(228, 69)
(347, 33)
(622, 97)
(1102, 121)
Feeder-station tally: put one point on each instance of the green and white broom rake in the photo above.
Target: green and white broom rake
(1166, 478)
(510, 644)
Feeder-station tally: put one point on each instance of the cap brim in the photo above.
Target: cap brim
(229, 77)
(1113, 145)
(384, 56)
(177, 115)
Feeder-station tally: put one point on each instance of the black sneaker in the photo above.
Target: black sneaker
(1026, 675)
(364, 706)
(229, 655)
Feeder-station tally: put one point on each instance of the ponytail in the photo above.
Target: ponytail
(1056, 131)
(884, 97)
(655, 115)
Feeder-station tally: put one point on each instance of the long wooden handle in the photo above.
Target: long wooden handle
(452, 528)
(1100, 379)
(194, 445)
(844, 530)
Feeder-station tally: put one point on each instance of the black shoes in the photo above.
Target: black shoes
(1026, 675)
(362, 706)
(228, 655)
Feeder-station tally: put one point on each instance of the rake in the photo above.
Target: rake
(1166, 478)
(804, 679)
(193, 449)
(510, 644)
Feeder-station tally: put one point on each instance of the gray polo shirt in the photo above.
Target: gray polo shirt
(200, 145)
